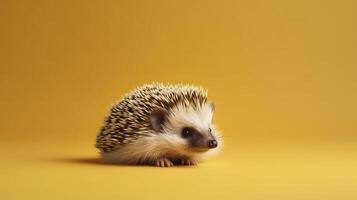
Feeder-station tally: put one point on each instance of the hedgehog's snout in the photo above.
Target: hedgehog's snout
(212, 144)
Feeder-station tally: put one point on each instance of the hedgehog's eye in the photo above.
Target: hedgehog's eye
(186, 132)
(210, 130)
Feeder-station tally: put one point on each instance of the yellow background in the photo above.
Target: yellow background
(282, 75)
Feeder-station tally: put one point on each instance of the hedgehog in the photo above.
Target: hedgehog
(161, 125)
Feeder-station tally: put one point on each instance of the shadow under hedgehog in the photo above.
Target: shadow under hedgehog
(162, 125)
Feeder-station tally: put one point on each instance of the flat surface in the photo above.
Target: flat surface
(243, 171)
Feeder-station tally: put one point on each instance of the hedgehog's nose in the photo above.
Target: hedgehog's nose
(212, 144)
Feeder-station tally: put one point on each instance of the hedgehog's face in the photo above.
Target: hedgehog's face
(191, 127)
(198, 141)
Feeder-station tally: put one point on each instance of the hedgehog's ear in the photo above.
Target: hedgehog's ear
(157, 118)
(212, 106)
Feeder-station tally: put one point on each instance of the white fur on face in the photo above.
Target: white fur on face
(180, 116)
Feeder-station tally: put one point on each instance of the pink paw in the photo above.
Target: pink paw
(164, 162)
(188, 162)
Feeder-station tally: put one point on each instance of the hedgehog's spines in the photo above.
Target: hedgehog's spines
(128, 118)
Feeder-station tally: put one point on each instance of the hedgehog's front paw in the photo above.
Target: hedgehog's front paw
(188, 162)
(164, 162)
